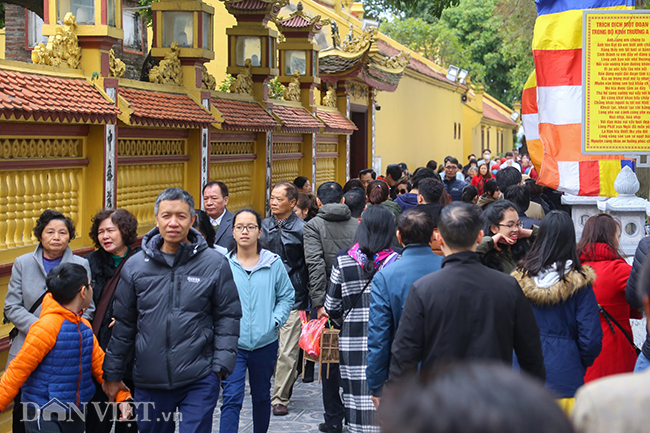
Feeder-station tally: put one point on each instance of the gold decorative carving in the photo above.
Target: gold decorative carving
(325, 170)
(208, 81)
(336, 37)
(169, 70)
(292, 92)
(231, 148)
(239, 177)
(244, 81)
(356, 44)
(62, 49)
(285, 170)
(329, 100)
(279, 148)
(138, 186)
(116, 66)
(396, 62)
(25, 194)
(134, 147)
(325, 147)
(12, 148)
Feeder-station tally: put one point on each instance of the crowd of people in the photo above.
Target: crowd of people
(459, 293)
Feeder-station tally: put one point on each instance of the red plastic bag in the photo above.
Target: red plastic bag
(310, 334)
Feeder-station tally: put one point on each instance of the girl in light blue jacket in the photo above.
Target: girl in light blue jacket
(266, 295)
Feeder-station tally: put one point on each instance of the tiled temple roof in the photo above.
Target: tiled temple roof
(39, 97)
(244, 116)
(165, 109)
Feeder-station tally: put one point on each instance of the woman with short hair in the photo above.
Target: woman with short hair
(54, 232)
(113, 231)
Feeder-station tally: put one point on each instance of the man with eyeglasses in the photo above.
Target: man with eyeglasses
(453, 185)
(282, 233)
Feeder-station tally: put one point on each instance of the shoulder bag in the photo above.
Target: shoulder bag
(609, 318)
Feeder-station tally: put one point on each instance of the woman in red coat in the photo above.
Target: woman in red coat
(483, 176)
(598, 248)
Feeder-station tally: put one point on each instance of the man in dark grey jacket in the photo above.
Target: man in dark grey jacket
(282, 232)
(178, 308)
(331, 230)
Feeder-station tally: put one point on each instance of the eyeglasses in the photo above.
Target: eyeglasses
(401, 191)
(451, 167)
(89, 285)
(513, 225)
(239, 228)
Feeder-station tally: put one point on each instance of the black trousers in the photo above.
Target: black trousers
(17, 424)
(334, 409)
(102, 421)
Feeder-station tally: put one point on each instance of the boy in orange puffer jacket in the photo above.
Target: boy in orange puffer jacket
(60, 355)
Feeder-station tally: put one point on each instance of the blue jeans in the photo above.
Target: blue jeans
(260, 364)
(155, 408)
(642, 363)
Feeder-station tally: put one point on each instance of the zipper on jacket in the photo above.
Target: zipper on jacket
(80, 364)
(169, 369)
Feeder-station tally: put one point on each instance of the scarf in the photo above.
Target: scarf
(380, 260)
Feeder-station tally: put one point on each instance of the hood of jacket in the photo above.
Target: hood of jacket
(266, 259)
(410, 198)
(484, 200)
(50, 306)
(335, 212)
(559, 289)
(598, 252)
(152, 241)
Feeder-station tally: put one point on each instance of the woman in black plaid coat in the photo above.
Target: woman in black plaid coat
(348, 297)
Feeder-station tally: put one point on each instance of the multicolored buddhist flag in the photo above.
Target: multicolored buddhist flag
(530, 121)
(557, 51)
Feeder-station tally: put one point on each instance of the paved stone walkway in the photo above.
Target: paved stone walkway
(305, 411)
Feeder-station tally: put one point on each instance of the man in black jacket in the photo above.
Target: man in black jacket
(465, 310)
(178, 308)
(282, 232)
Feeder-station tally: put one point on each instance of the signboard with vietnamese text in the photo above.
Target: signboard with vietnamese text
(616, 82)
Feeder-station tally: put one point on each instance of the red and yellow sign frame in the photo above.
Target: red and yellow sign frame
(616, 82)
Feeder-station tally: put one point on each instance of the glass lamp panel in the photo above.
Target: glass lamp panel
(83, 10)
(295, 61)
(178, 27)
(110, 8)
(207, 27)
(249, 47)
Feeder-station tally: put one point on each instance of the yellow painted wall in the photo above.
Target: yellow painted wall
(416, 124)
(2, 43)
(222, 21)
